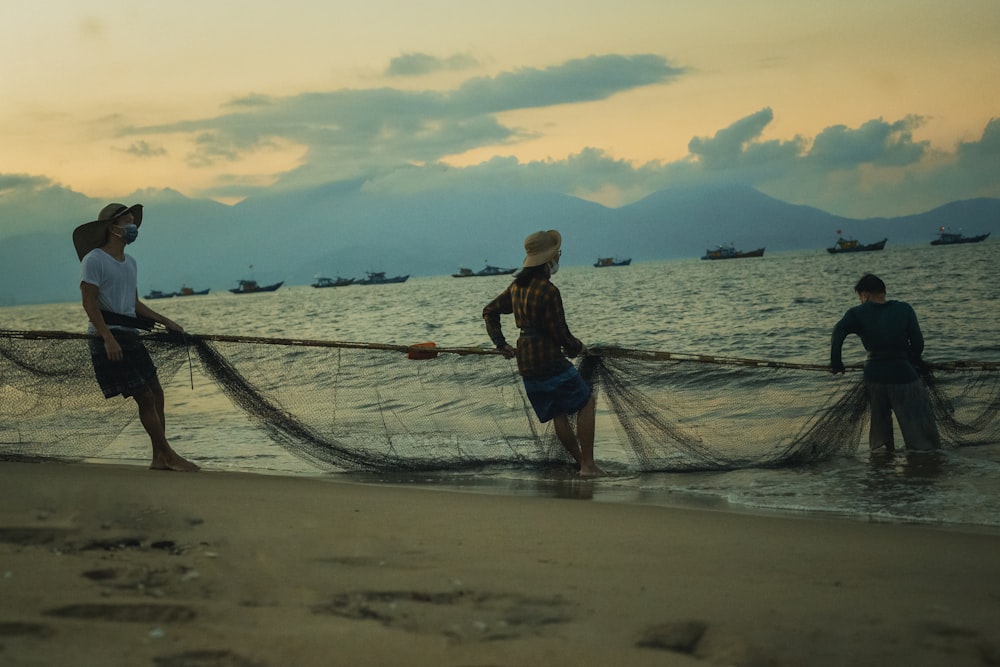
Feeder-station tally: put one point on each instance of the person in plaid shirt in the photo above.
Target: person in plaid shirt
(552, 383)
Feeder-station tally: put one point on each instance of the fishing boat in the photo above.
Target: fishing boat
(852, 245)
(488, 270)
(251, 287)
(954, 238)
(724, 252)
(188, 291)
(611, 261)
(157, 294)
(333, 282)
(378, 278)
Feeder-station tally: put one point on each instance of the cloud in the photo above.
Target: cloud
(396, 140)
(420, 64)
(738, 150)
(973, 169)
(838, 147)
(582, 80)
(729, 142)
(876, 142)
(844, 175)
(986, 151)
(349, 133)
(35, 203)
(873, 181)
(19, 184)
(729, 146)
(590, 170)
(253, 100)
(144, 149)
(877, 169)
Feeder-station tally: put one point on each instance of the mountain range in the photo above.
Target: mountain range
(342, 230)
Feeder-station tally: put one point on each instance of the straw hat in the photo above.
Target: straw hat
(540, 247)
(92, 235)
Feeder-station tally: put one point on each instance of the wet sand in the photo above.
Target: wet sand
(119, 565)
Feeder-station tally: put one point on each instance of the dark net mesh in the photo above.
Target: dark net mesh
(357, 406)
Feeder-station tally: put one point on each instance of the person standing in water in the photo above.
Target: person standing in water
(890, 332)
(551, 382)
(108, 284)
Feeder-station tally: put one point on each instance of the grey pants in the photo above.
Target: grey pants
(914, 414)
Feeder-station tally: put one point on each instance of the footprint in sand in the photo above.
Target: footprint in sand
(679, 637)
(462, 616)
(19, 629)
(205, 658)
(26, 536)
(126, 613)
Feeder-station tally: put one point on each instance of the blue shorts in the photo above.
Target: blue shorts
(562, 394)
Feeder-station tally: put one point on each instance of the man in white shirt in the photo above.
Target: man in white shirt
(108, 284)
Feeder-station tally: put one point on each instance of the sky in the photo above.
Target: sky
(860, 108)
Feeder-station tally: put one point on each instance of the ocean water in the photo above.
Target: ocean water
(781, 307)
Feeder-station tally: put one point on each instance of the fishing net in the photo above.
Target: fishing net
(360, 406)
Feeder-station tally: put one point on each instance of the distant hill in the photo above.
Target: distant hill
(339, 229)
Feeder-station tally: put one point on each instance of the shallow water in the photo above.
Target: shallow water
(781, 307)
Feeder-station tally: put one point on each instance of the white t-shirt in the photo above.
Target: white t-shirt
(115, 281)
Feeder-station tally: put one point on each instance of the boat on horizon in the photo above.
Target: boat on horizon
(611, 261)
(954, 238)
(251, 287)
(488, 270)
(852, 245)
(378, 278)
(157, 294)
(333, 282)
(729, 252)
(190, 291)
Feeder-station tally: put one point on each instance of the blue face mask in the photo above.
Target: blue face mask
(553, 266)
(129, 233)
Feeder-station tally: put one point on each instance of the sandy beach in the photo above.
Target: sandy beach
(119, 565)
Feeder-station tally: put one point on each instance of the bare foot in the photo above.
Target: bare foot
(591, 471)
(176, 463)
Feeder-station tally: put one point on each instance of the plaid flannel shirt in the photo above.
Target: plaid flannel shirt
(545, 338)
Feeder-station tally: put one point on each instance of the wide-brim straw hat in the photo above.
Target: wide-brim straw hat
(92, 235)
(540, 247)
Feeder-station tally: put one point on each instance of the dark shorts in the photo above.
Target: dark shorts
(127, 376)
(562, 394)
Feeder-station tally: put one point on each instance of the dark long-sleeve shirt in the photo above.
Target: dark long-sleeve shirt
(545, 338)
(891, 334)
